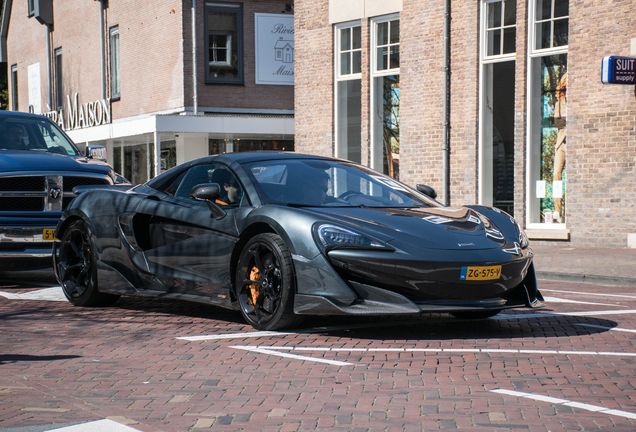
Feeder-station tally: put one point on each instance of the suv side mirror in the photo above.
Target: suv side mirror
(96, 152)
(427, 190)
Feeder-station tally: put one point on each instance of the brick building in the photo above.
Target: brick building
(120, 74)
(528, 126)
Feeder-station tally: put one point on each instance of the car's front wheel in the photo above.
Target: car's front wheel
(76, 268)
(264, 284)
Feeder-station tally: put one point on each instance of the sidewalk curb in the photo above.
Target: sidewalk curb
(595, 279)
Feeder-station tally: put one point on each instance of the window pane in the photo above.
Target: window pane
(544, 10)
(561, 8)
(223, 44)
(115, 80)
(345, 39)
(349, 120)
(550, 132)
(395, 57)
(494, 15)
(345, 63)
(59, 86)
(356, 38)
(494, 42)
(509, 40)
(14, 88)
(543, 35)
(383, 33)
(395, 31)
(357, 62)
(561, 32)
(383, 58)
(510, 12)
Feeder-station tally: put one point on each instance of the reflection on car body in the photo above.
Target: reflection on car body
(302, 235)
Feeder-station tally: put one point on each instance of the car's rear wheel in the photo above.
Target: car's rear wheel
(476, 314)
(265, 285)
(76, 268)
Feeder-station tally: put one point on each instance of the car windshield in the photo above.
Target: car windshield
(327, 183)
(37, 134)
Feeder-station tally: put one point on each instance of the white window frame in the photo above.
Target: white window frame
(533, 30)
(14, 88)
(375, 73)
(532, 163)
(484, 156)
(338, 77)
(484, 34)
(228, 50)
(115, 63)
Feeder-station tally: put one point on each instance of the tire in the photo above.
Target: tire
(77, 270)
(265, 284)
(482, 314)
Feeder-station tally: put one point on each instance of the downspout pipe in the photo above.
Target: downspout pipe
(195, 95)
(102, 47)
(446, 108)
(48, 67)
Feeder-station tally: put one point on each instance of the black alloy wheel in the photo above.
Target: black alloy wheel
(264, 283)
(76, 268)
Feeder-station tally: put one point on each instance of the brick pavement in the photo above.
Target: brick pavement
(61, 364)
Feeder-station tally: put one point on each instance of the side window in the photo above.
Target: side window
(232, 193)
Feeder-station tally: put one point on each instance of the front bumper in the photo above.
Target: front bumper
(17, 243)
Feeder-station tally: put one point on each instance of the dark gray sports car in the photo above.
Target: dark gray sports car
(282, 235)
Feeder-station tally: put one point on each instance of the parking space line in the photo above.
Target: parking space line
(566, 402)
(49, 294)
(560, 300)
(293, 356)
(607, 328)
(277, 349)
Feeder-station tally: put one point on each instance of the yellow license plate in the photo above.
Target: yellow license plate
(480, 273)
(48, 234)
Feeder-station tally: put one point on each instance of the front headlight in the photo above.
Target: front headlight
(521, 236)
(332, 236)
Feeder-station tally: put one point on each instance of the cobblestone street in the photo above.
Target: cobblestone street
(154, 365)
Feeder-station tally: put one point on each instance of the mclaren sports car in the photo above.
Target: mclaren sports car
(279, 236)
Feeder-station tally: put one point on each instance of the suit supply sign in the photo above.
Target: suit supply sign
(274, 49)
(618, 70)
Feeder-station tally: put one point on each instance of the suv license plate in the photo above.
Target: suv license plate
(480, 273)
(49, 234)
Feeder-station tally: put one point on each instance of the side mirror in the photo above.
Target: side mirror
(96, 152)
(209, 192)
(427, 190)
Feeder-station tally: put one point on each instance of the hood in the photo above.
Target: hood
(29, 160)
(447, 228)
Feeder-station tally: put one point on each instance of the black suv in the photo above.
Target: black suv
(39, 167)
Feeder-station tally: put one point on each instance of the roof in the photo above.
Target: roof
(19, 114)
(258, 156)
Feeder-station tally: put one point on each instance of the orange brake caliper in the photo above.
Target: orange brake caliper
(255, 289)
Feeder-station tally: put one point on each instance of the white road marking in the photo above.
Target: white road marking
(278, 349)
(293, 356)
(590, 294)
(607, 328)
(104, 425)
(566, 402)
(50, 294)
(560, 300)
(548, 315)
(234, 335)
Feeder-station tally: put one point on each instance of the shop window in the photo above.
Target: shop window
(115, 72)
(224, 43)
(385, 91)
(497, 105)
(348, 92)
(59, 83)
(548, 107)
(238, 145)
(14, 88)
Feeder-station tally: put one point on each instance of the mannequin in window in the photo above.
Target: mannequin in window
(560, 113)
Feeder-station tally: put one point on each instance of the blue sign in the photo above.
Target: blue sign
(618, 70)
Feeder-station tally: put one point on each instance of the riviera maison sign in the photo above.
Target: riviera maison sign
(82, 116)
(274, 37)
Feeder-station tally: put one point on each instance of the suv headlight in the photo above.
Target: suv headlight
(335, 237)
